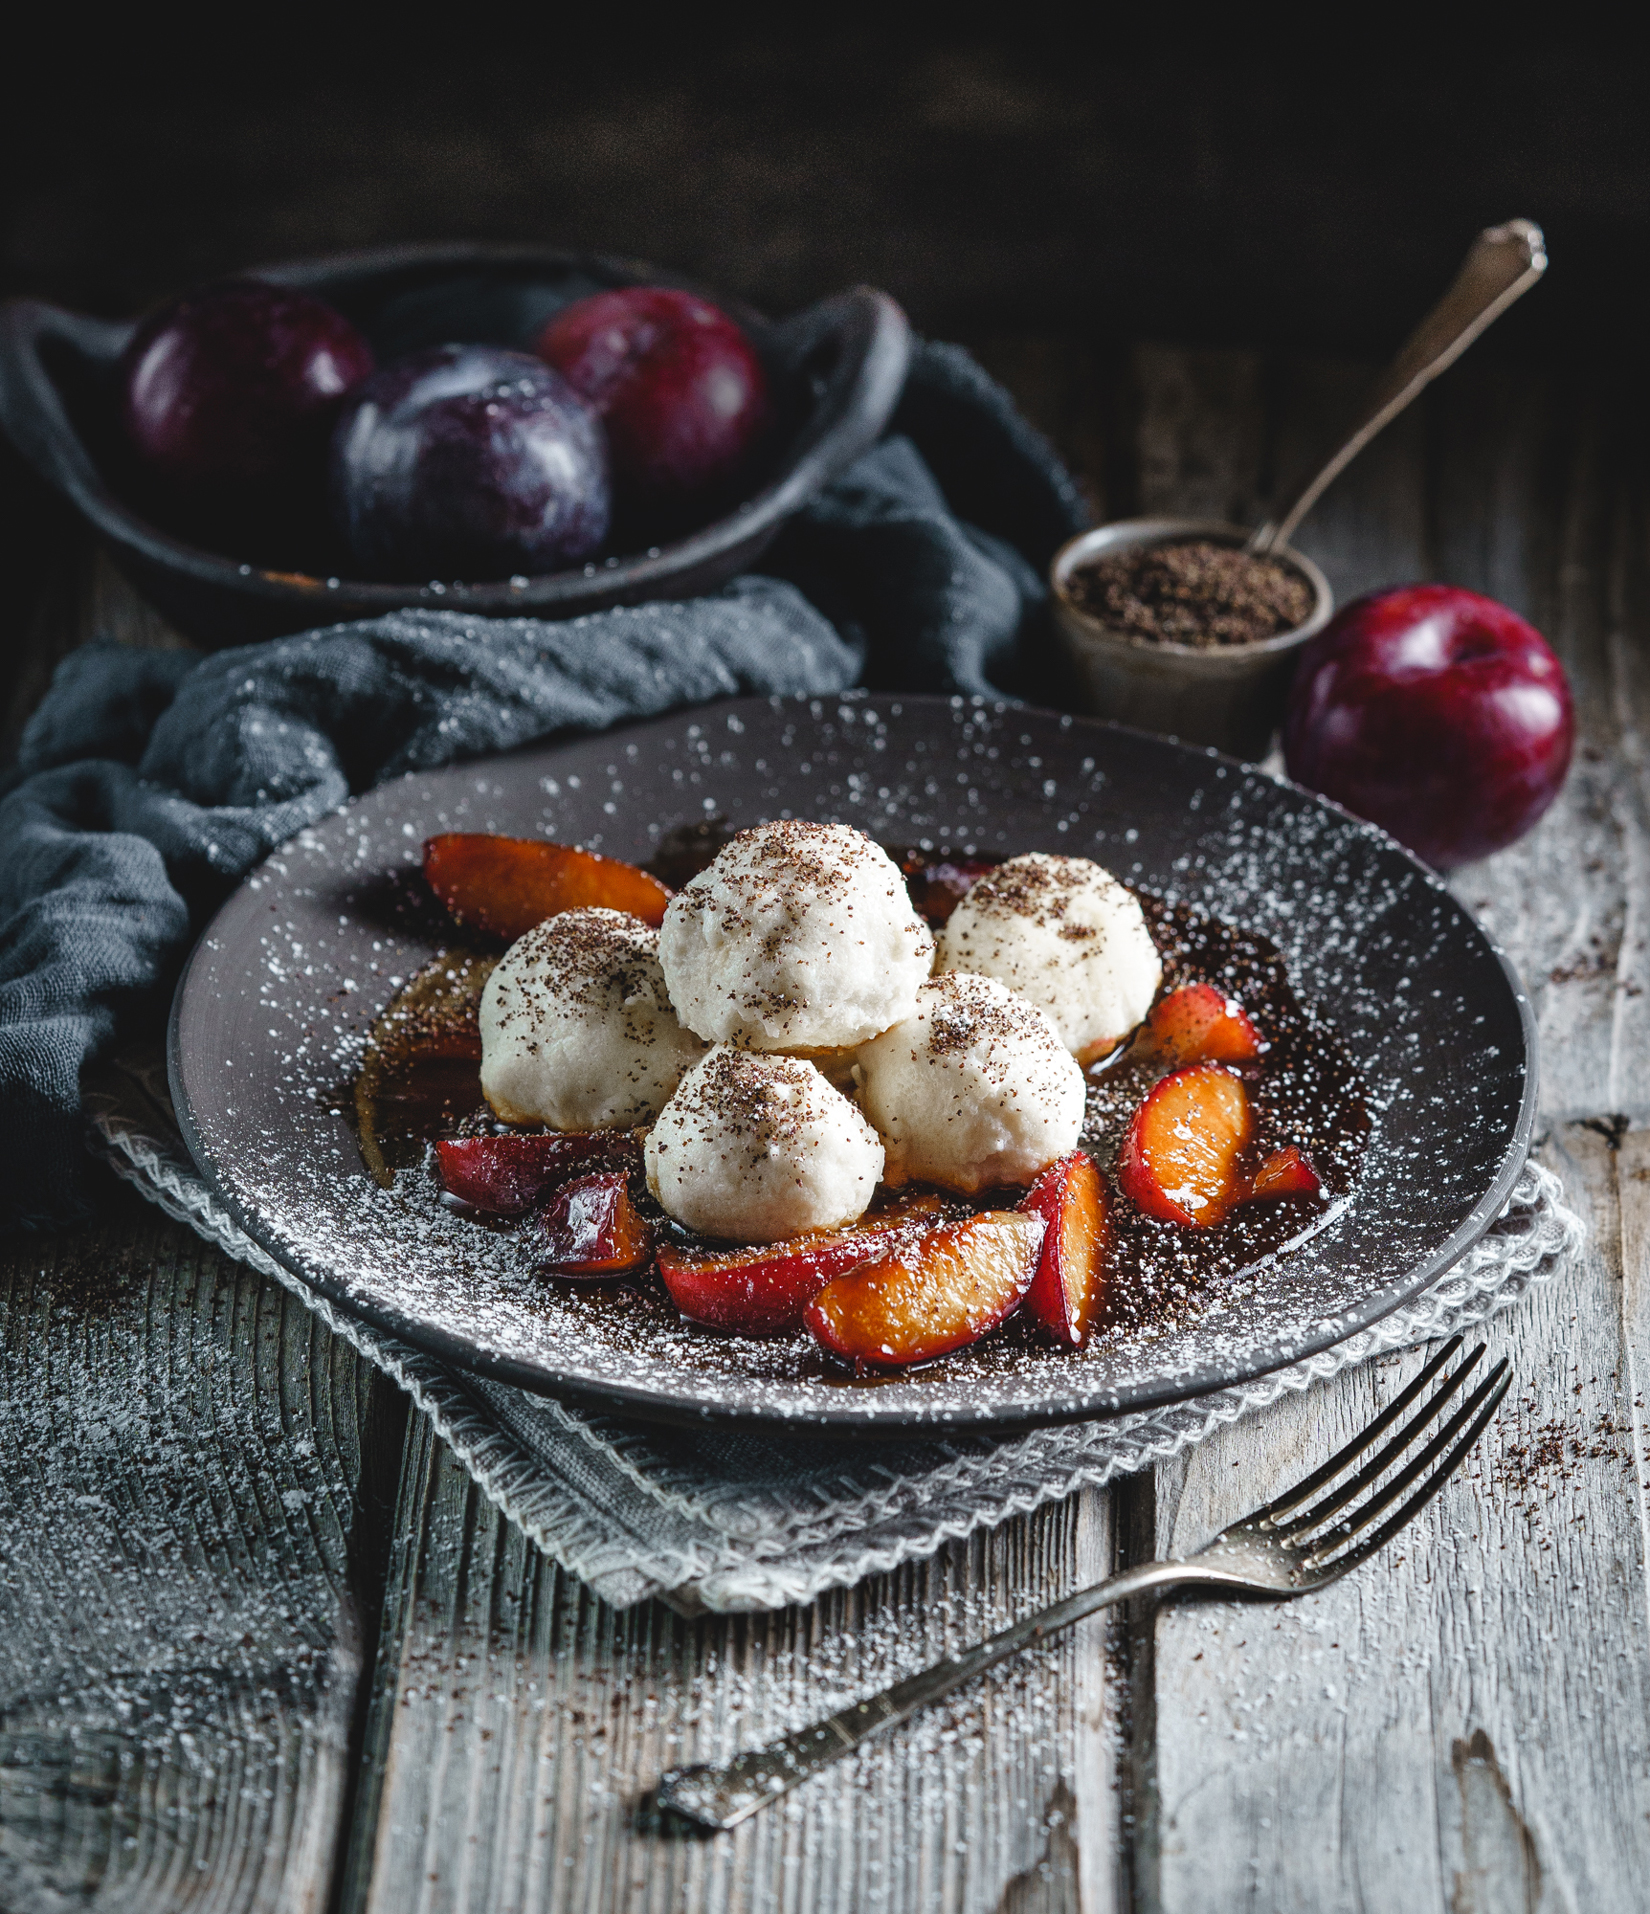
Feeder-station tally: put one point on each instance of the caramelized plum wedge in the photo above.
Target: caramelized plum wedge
(1286, 1172)
(507, 1175)
(1199, 1024)
(506, 885)
(590, 1227)
(929, 1294)
(1182, 1154)
(763, 1290)
(1068, 1293)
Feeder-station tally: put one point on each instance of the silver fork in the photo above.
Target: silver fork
(1281, 1549)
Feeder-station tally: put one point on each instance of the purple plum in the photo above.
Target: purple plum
(1436, 713)
(681, 392)
(468, 462)
(228, 398)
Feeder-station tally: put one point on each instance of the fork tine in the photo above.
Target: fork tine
(1293, 1498)
(1489, 1392)
(1378, 1465)
(1498, 1382)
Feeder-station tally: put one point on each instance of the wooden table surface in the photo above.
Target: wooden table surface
(263, 1644)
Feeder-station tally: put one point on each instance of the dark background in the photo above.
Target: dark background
(999, 172)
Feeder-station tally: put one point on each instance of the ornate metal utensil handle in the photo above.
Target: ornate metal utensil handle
(1504, 263)
(722, 1797)
(1283, 1548)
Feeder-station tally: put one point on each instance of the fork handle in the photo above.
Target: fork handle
(721, 1796)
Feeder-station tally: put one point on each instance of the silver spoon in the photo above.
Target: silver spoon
(1504, 263)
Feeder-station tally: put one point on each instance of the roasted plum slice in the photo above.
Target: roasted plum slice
(1182, 1154)
(505, 885)
(507, 1175)
(1286, 1172)
(929, 1294)
(763, 1290)
(1199, 1024)
(1068, 1293)
(590, 1227)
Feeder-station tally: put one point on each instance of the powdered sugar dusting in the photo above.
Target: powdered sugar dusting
(289, 977)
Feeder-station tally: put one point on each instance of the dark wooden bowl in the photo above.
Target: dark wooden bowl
(837, 370)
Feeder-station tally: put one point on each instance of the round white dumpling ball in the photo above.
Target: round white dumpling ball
(1065, 935)
(799, 936)
(974, 1090)
(577, 1030)
(757, 1148)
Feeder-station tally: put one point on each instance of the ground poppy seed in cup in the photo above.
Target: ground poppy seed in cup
(1195, 593)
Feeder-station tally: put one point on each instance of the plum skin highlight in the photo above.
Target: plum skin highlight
(678, 386)
(468, 462)
(1436, 713)
(228, 397)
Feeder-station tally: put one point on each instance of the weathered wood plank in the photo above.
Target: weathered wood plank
(190, 1565)
(1536, 505)
(81, 596)
(1369, 529)
(1461, 1723)
(1200, 433)
(1416, 1738)
(192, 1531)
(1065, 389)
(517, 1722)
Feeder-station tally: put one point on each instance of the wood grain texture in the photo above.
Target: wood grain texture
(1070, 393)
(1200, 433)
(1461, 1724)
(517, 1725)
(1369, 530)
(81, 596)
(186, 1576)
(1538, 501)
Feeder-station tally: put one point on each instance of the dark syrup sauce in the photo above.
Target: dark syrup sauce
(1304, 1090)
(420, 1081)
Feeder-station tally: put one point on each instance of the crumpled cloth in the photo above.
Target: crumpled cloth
(150, 782)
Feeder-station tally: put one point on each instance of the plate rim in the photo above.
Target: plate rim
(620, 1397)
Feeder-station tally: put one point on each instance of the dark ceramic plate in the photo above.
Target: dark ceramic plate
(271, 1011)
(836, 371)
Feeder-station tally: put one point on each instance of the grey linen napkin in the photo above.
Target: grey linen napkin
(730, 1522)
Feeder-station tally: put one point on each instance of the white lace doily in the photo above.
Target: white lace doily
(712, 1520)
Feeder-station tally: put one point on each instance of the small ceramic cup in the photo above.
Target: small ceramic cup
(1230, 696)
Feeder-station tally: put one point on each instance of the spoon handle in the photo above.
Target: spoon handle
(1505, 261)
